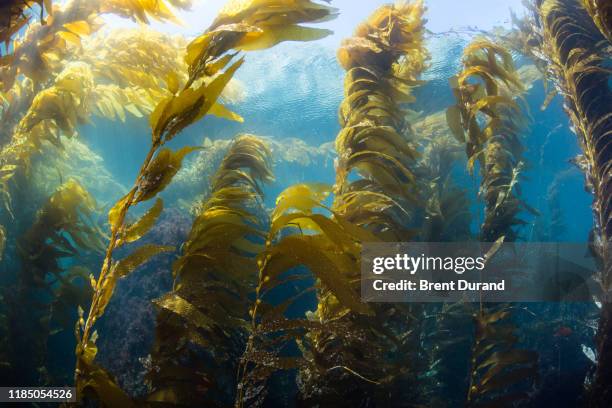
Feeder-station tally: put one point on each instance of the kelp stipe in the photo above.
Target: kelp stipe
(202, 324)
(247, 25)
(574, 50)
(47, 293)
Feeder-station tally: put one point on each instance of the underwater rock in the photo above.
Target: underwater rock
(128, 327)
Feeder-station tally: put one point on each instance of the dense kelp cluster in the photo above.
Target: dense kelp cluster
(51, 84)
(489, 119)
(202, 325)
(265, 306)
(383, 61)
(47, 291)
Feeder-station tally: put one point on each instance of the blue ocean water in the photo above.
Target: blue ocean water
(294, 91)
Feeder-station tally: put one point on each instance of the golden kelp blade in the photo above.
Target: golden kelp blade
(254, 25)
(161, 171)
(142, 10)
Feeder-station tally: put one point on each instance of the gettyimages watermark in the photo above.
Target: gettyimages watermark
(478, 271)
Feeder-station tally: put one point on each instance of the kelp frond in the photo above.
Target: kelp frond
(601, 13)
(15, 14)
(302, 234)
(489, 120)
(383, 61)
(498, 367)
(202, 323)
(574, 48)
(39, 51)
(42, 107)
(245, 25)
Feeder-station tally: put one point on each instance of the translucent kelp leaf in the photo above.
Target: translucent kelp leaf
(302, 197)
(70, 37)
(138, 257)
(80, 27)
(2, 241)
(222, 112)
(270, 37)
(138, 229)
(114, 213)
(174, 114)
(172, 82)
(313, 252)
(453, 118)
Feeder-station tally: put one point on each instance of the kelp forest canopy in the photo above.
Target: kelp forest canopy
(159, 246)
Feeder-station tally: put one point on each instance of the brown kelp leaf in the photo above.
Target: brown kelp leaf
(499, 359)
(100, 385)
(140, 256)
(160, 172)
(508, 379)
(331, 268)
(138, 229)
(453, 119)
(175, 113)
(176, 304)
